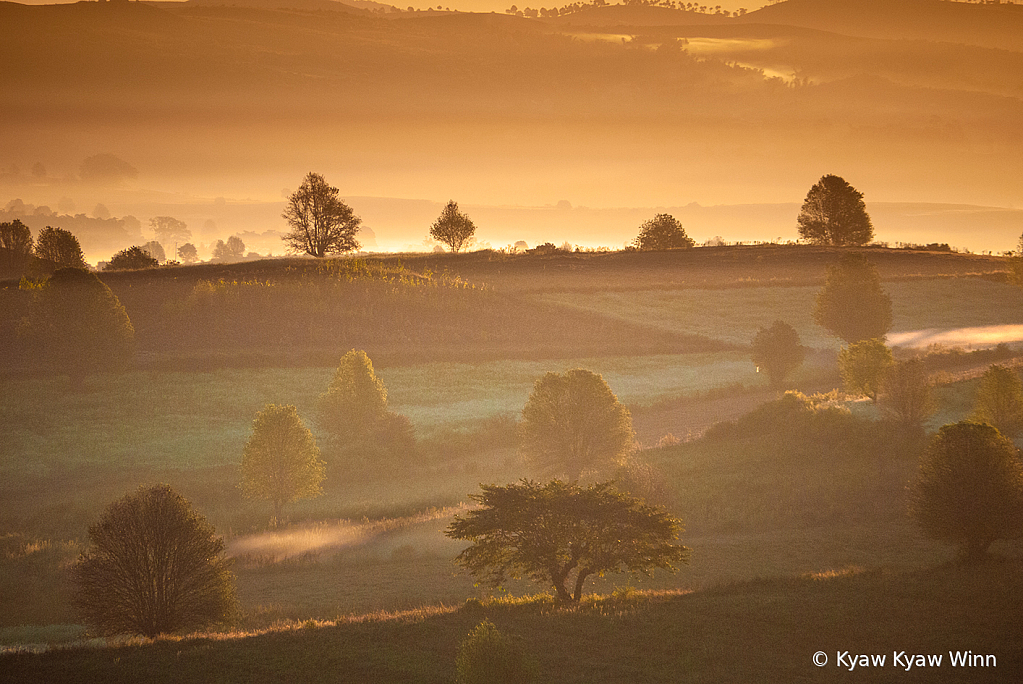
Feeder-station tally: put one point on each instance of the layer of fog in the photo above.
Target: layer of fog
(980, 337)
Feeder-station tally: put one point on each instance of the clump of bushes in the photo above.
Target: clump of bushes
(488, 657)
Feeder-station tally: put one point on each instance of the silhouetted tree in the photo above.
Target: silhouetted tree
(79, 326)
(969, 490)
(169, 230)
(132, 258)
(15, 248)
(547, 532)
(60, 247)
(452, 227)
(777, 351)
(864, 365)
(188, 253)
(663, 231)
(834, 214)
(153, 566)
(572, 423)
(852, 305)
(1016, 264)
(906, 396)
(321, 223)
(281, 462)
(999, 400)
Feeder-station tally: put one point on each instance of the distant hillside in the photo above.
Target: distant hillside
(989, 25)
(636, 15)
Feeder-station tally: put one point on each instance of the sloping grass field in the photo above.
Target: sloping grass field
(368, 592)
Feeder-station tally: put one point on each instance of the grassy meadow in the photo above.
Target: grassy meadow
(799, 535)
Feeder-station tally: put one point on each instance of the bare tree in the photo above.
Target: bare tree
(321, 223)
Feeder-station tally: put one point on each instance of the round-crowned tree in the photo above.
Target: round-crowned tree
(79, 326)
(852, 305)
(906, 396)
(834, 214)
(130, 259)
(969, 490)
(663, 231)
(999, 400)
(281, 462)
(59, 247)
(153, 566)
(320, 221)
(777, 351)
(573, 423)
(453, 228)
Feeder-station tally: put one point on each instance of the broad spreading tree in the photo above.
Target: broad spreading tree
(560, 534)
(281, 462)
(59, 247)
(999, 400)
(834, 214)
(321, 223)
(864, 366)
(188, 253)
(153, 566)
(130, 259)
(663, 231)
(852, 305)
(169, 230)
(573, 423)
(777, 351)
(78, 326)
(969, 490)
(453, 228)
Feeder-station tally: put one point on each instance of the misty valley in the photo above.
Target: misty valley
(277, 405)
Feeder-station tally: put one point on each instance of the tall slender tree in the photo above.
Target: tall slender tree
(453, 228)
(852, 305)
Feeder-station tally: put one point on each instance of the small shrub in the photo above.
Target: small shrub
(488, 657)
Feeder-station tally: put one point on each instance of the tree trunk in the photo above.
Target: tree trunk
(579, 581)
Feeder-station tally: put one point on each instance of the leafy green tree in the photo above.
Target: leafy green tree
(777, 350)
(79, 326)
(999, 400)
(852, 305)
(131, 259)
(663, 231)
(486, 656)
(573, 422)
(453, 228)
(153, 566)
(969, 490)
(281, 462)
(906, 398)
(863, 366)
(321, 223)
(355, 400)
(547, 532)
(15, 248)
(60, 247)
(834, 214)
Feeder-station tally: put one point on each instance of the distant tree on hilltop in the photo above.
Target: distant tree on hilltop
(834, 214)
(321, 223)
(663, 231)
(132, 258)
(453, 228)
